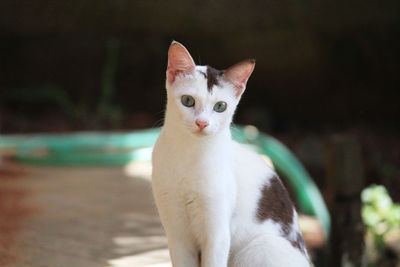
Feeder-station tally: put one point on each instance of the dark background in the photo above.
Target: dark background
(323, 67)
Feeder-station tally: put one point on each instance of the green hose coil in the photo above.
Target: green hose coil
(116, 149)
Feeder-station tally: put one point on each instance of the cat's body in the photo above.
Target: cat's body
(220, 203)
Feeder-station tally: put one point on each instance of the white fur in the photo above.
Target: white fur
(207, 186)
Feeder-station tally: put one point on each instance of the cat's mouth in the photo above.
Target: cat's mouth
(199, 132)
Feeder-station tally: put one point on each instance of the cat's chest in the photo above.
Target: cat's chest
(191, 159)
(192, 173)
(191, 170)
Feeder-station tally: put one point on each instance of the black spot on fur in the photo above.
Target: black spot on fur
(275, 204)
(213, 76)
(299, 243)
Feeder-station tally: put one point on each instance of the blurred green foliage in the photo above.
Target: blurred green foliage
(379, 214)
(104, 112)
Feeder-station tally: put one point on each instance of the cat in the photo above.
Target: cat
(219, 202)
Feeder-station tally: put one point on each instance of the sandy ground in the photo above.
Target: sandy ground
(79, 217)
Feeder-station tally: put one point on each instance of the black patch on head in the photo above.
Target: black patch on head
(205, 75)
(199, 258)
(213, 76)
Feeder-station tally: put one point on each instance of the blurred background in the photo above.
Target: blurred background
(326, 80)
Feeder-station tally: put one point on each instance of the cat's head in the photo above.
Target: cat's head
(204, 99)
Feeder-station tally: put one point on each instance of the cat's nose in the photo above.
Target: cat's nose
(201, 124)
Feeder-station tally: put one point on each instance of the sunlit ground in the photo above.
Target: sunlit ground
(138, 170)
(154, 247)
(154, 258)
(144, 245)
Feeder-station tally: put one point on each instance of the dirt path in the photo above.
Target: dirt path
(79, 217)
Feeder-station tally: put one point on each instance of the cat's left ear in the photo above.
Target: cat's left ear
(179, 61)
(238, 75)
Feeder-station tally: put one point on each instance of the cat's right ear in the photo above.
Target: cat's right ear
(179, 61)
(238, 75)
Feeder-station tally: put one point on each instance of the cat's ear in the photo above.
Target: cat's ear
(238, 75)
(179, 61)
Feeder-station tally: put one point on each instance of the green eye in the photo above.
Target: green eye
(187, 101)
(220, 106)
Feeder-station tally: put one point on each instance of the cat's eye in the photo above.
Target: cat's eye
(220, 106)
(187, 101)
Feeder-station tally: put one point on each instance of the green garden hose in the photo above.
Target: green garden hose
(116, 149)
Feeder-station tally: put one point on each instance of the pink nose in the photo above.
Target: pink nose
(201, 124)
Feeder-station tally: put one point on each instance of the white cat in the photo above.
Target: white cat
(220, 203)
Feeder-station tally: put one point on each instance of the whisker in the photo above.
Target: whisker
(158, 123)
(163, 111)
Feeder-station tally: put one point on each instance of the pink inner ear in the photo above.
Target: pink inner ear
(171, 74)
(179, 61)
(238, 75)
